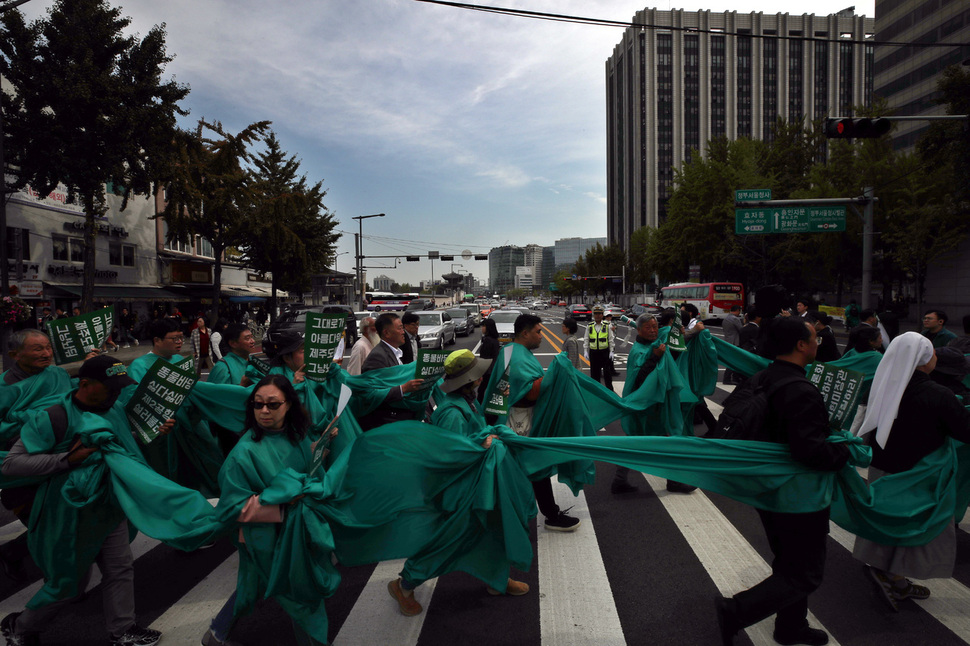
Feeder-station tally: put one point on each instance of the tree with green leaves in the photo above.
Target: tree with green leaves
(88, 106)
(292, 233)
(209, 191)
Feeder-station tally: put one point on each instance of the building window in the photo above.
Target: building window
(770, 81)
(67, 249)
(795, 107)
(845, 79)
(718, 83)
(203, 247)
(744, 86)
(18, 243)
(121, 255)
(692, 95)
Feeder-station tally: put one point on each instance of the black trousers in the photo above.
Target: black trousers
(599, 367)
(798, 544)
(545, 498)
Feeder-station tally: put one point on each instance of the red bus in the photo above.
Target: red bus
(713, 300)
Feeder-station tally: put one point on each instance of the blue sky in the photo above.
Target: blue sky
(469, 130)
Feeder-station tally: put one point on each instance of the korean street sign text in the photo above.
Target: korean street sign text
(790, 219)
(752, 195)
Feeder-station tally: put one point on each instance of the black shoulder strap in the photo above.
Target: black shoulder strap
(58, 415)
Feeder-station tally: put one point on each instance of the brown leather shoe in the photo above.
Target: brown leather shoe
(513, 588)
(406, 602)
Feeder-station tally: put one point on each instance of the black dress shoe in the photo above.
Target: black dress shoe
(679, 487)
(621, 487)
(805, 635)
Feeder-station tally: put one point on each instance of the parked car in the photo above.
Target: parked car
(295, 321)
(580, 312)
(505, 323)
(464, 323)
(435, 329)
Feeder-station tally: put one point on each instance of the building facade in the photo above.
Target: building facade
(502, 262)
(696, 75)
(383, 283)
(906, 76)
(568, 250)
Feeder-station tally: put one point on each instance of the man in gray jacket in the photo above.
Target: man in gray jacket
(732, 334)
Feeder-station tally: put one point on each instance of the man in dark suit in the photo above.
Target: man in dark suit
(387, 354)
(750, 335)
(411, 322)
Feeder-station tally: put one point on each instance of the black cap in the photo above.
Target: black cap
(109, 371)
(951, 361)
(280, 343)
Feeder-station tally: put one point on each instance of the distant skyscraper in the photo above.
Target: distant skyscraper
(502, 262)
(906, 76)
(569, 250)
(701, 75)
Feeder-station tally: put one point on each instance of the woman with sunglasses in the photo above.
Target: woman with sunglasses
(276, 440)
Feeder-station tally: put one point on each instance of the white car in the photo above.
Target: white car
(540, 305)
(505, 323)
(435, 329)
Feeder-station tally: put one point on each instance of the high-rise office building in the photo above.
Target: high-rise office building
(907, 76)
(502, 262)
(569, 250)
(689, 76)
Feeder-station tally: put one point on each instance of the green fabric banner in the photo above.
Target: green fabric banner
(322, 336)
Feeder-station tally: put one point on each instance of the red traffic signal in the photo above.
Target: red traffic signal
(856, 128)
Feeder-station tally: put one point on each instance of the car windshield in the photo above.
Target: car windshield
(508, 316)
(429, 318)
(458, 313)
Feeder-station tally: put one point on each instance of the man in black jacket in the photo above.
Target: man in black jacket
(388, 353)
(412, 343)
(796, 417)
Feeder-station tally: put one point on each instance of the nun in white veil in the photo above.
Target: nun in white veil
(912, 416)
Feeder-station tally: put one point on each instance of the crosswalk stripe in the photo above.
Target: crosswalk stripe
(576, 605)
(188, 618)
(732, 563)
(18, 600)
(948, 602)
(376, 619)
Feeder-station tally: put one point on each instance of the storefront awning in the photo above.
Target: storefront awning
(113, 292)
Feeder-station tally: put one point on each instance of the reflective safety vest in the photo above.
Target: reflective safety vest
(599, 340)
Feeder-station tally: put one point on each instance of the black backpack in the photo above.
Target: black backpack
(746, 409)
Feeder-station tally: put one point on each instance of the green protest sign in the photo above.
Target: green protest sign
(430, 367)
(157, 398)
(186, 363)
(840, 390)
(322, 336)
(321, 447)
(676, 340)
(74, 337)
(259, 364)
(497, 402)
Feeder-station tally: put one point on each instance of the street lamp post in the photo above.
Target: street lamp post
(360, 256)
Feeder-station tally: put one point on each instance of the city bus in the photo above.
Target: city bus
(713, 300)
(387, 301)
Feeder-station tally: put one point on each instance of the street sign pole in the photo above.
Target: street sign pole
(867, 233)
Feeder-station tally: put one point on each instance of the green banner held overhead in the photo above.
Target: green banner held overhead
(75, 337)
(497, 402)
(840, 389)
(430, 367)
(158, 397)
(322, 336)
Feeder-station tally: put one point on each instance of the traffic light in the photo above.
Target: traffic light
(413, 258)
(856, 128)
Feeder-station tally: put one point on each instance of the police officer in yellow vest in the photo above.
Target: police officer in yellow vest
(598, 347)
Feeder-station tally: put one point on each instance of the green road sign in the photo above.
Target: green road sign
(752, 195)
(790, 219)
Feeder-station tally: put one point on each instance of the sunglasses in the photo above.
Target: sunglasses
(269, 405)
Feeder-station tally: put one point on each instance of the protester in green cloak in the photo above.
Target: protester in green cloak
(698, 365)
(72, 522)
(277, 441)
(232, 368)
(191, 454)
(651, 367)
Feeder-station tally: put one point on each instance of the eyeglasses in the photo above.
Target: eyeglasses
(177, 339)
(269, 405)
